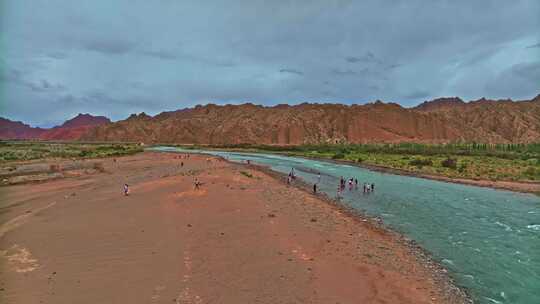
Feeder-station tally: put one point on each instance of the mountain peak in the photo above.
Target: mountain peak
(85, 120)
(440, 103)
(141, 115)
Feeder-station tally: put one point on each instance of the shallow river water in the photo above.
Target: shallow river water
(488, 239)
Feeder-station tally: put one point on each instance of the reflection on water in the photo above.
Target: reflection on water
(488, 239)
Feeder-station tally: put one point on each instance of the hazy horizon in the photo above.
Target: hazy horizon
(61, 58)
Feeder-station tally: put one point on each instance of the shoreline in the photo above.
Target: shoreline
(522, 187)
(516, 186)
(422, 255)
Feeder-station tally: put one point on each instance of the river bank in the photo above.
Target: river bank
(525, 187)
(243, 237)
(517, 186)
(423, 256)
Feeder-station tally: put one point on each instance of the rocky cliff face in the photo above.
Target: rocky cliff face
(438, 121)
(492, 121)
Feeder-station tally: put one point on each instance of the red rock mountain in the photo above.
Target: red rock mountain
(18, 130)
(72, 129)
(438, 121)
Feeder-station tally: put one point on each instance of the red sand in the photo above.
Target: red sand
(238, 239)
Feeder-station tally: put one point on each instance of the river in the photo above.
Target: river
(488, 239)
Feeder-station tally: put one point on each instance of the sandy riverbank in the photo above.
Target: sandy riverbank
(241, 238)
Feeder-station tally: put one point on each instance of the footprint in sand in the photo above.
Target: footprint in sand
(19, 259)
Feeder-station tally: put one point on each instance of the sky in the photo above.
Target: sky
(113, 58)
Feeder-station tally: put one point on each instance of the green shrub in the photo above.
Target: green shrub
(449, 163)
(532, 172)
(421, 162)
(338, 155)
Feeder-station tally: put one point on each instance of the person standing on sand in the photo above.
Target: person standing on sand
(197, 184)
(181, 164)
(315, 188)
(126, 189)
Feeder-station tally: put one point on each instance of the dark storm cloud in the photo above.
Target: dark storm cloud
(57, 55)
(524, 76)
(44, 85)
(11, 75)
(368, 57)
(417, 95)
(393, 66)
(347, 72)
(17, 78)
(162, 54)
(291, 71)
(110, 46)
(117, 57)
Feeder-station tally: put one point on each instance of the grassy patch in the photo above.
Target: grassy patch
(29, 150)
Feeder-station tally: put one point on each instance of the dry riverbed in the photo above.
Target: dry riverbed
(243, 237)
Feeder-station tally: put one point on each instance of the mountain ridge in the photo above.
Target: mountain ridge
(441, 120)
(438, 121)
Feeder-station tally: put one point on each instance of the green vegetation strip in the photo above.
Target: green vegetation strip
(29, 150)
(509, 162)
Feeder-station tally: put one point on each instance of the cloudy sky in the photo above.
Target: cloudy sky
(113, 58)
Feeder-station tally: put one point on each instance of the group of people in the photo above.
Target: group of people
(353, 184)
(182, 156)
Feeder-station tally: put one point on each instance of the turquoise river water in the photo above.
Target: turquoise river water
(488, 239)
